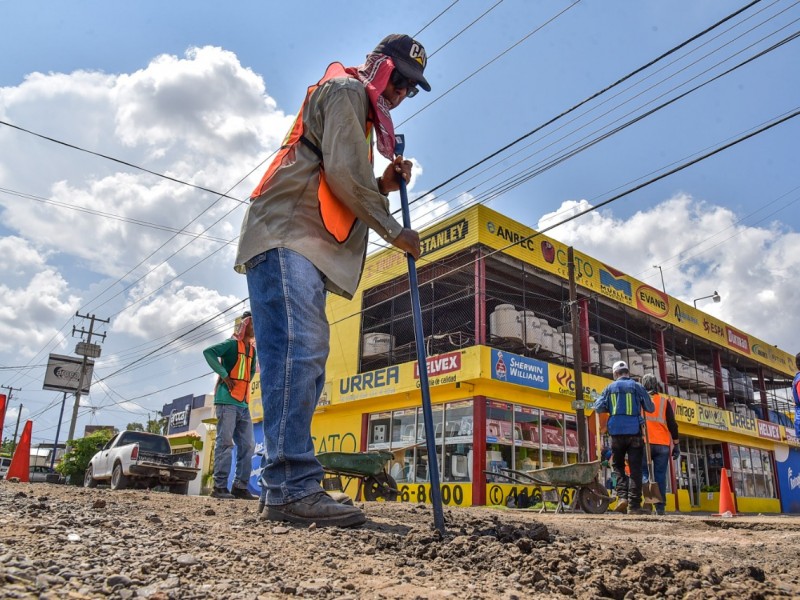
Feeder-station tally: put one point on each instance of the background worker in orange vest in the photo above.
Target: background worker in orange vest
(234, 360)
(305, 235)
(662, 429)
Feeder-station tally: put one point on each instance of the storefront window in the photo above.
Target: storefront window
(526, 438)
(499, 438)
(552, 439)
(571, 438)
(379, 430)
(458, 441)
(421, 470)
(752, 472)
(404, 428)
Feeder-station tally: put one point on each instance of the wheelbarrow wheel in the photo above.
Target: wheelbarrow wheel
(593, 499)
(380, 487)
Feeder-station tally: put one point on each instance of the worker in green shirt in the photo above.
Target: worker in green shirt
(234, 360)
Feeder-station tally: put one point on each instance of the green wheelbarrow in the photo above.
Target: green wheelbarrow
(368, 468)
(590, 495)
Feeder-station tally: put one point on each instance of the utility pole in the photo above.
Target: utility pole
(16, 429)
(90, 350)
(58, 432)
(11, 391)
(579, 403)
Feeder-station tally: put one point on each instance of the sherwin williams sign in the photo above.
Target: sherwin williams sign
(513, 368)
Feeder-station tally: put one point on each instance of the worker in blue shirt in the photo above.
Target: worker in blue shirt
(623, 400)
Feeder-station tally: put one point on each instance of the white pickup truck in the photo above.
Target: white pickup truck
(139, 459)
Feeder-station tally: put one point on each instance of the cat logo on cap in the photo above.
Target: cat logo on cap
(417, 52)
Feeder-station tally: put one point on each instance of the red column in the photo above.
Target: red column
(364, 431)
(2, 413)
(478, 450)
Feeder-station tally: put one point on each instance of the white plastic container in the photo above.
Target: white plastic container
(672, 373)
(506, 323)
(531, 328)
(726, 381)
(548, 339)
(705, 375)
(594, 351)
(650, 364)
(609, 355)
(567, 338)
(377, 343)
(635, 364)
(685, 374)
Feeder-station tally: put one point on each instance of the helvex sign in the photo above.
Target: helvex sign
(438, 365)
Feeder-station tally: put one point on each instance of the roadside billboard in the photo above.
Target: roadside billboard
(64, 372)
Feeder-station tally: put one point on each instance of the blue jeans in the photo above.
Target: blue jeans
(233, 427)
(660, 456)
(287, 299)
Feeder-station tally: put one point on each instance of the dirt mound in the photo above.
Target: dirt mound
(58, 542)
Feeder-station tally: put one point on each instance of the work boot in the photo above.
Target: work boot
(622, 506)
(221, 493)
(317, 508)
(242, 494)
(639, 510)
(341, 498)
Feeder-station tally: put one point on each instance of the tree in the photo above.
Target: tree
(134, 427)
(79, 452)
(7, 446)
(157, 426)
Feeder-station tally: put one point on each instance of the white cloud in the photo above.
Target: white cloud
(203, 118)
(701, 248)
(31, 316)
(176, 307)
(18, 256)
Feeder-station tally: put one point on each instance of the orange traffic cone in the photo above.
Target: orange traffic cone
(21, 462)
(727, 507)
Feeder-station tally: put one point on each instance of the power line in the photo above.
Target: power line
(429, 23)
(118, 160)
(582, 102)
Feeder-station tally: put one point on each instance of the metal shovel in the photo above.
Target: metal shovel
(416, 309)
(650, 490)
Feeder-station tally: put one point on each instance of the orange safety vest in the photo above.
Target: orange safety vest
(240, 373)
(657, 430)
(337, 219)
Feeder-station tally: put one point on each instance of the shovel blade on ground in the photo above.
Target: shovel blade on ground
(651, 493)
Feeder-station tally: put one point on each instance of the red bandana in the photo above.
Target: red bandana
(374, 74)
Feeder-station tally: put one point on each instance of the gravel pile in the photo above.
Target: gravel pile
(66, 542)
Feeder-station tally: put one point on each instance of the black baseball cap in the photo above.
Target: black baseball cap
(408, 55)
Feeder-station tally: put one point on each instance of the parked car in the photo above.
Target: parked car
(5, 463)
(42, 474)
(140, 459)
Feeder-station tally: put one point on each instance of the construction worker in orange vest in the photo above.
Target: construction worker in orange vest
(234, 361)
(662, 431)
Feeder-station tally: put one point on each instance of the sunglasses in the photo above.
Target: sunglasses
(402, 82)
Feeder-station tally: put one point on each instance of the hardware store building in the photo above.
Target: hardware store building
(496, 321)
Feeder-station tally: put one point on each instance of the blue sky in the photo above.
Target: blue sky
(204, 92)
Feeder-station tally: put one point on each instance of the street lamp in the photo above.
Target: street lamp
(663, 287)
(715, 297)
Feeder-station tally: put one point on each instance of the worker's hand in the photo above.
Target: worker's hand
(676, 452)
(408, 241)
(389, 181)
(228, 383)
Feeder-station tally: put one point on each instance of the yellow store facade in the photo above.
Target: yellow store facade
(496, 320)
